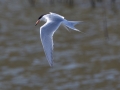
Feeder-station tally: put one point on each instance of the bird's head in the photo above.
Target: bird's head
(39, 19)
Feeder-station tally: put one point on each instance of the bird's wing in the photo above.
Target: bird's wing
(56, 15)
(46, 34)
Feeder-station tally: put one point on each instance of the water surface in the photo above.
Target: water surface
(81, 61)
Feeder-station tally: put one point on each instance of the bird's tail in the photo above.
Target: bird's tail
(71, 24)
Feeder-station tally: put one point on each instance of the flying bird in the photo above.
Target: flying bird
(53, 21)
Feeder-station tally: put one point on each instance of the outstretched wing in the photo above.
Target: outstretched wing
(46, 35)
(56, 15)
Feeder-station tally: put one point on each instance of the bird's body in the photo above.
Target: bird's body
(53, 21)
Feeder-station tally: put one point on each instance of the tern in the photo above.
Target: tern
(53, 21)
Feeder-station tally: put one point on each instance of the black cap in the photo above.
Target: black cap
(41, 16)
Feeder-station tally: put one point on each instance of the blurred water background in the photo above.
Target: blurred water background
(89, 61)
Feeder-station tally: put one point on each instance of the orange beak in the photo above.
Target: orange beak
(37, 22)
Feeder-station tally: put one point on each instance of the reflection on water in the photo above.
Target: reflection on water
(81, 61)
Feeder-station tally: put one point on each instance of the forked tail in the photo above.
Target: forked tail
(71, 24)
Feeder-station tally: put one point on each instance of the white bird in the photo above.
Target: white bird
(53, 21)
